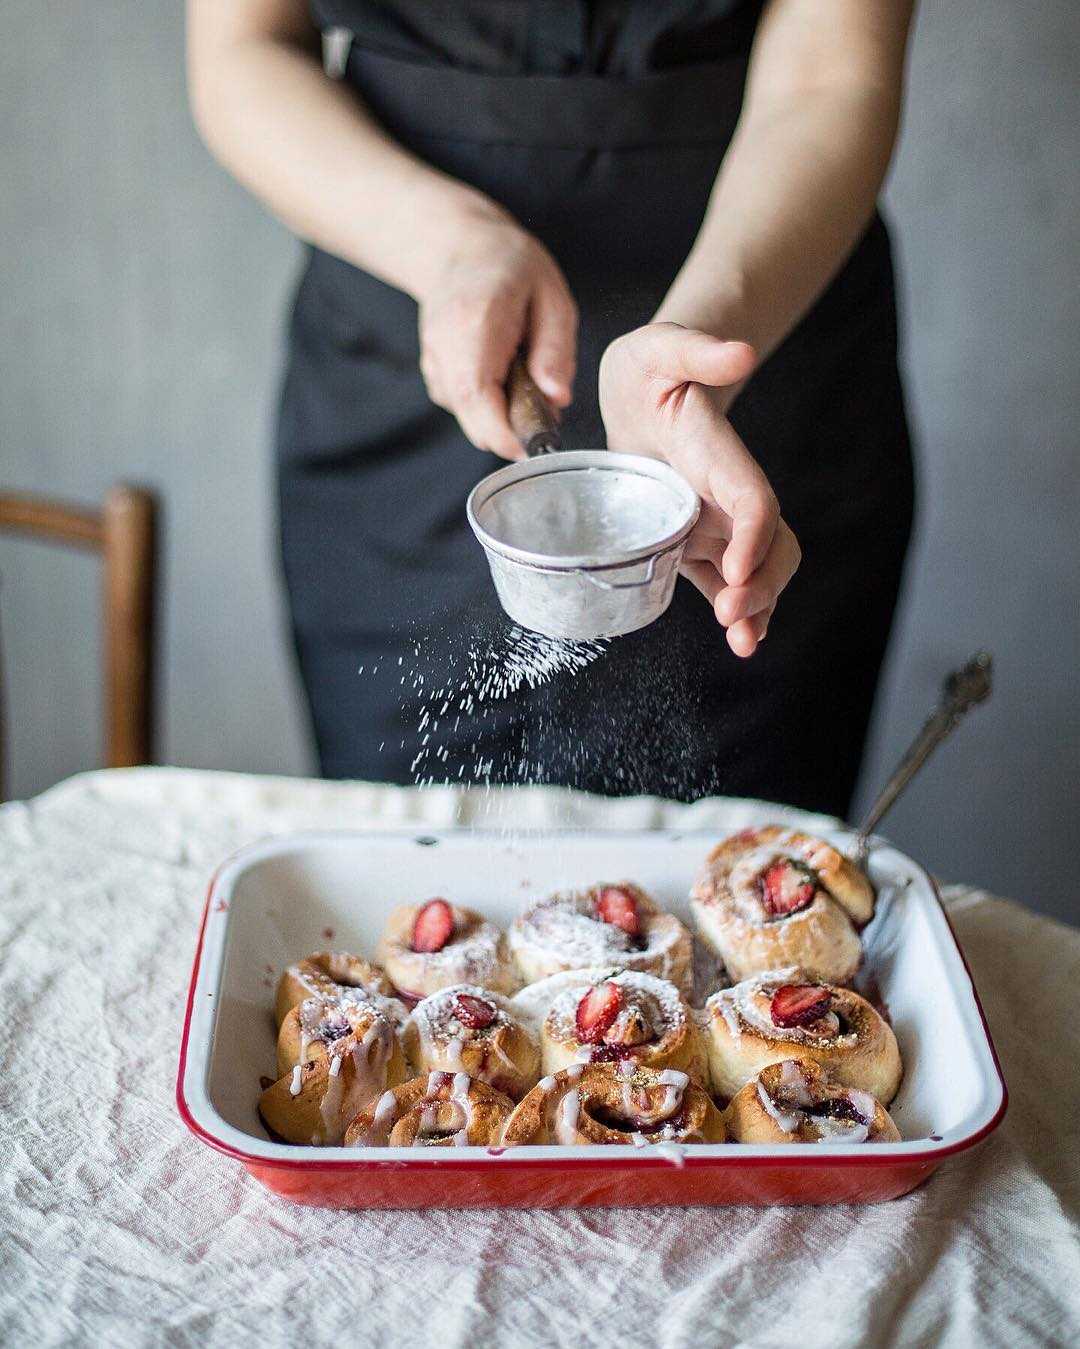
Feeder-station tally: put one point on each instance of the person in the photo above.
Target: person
(671, 210)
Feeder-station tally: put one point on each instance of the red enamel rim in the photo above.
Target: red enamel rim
(513, 1158)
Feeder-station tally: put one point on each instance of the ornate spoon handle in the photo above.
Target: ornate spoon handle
(962, 690)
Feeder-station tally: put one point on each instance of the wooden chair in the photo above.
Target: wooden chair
(123, 531)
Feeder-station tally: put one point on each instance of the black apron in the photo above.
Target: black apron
(610, 162)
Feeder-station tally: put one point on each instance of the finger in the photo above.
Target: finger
(743, 638)
(705, 576)
(684, 354)
(482, 415)
(740, 488)
(552, 342)
(763, 588)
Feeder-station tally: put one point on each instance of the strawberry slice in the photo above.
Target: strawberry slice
(473, 1012)
(783, 891)
(618, 907)
(596, 1011)
(799, 1004)
(434, 926)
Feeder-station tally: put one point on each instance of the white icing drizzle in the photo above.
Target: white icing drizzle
(545, 1084)
(788, 1120)
(330, 1106)
(378, 1134)
(444, 1039)
(294, 1085)
(795, 1083)
(672, 1151)
(566, 1118)
(639, 1140)
(831, 1130)
(574, 1072)
(459, 1094)
(335, 1065)
(674, 1084)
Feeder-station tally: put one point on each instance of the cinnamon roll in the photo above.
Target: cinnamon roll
(346, 1055)
(430, 946)
(793, 1102)
(438, 1110)
(615, 1103)
(467, 1029)
(604, 1015)
(328, 974)
(606, 925)
(777, 1015)
(773, 897)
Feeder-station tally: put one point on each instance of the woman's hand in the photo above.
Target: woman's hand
(493, 290)
(664, 392)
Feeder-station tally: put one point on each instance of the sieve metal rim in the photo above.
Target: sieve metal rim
(566, 461)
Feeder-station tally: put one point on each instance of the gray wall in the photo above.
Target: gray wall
(141, 298)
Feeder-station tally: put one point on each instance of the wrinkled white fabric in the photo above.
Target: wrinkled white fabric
(120, 1228)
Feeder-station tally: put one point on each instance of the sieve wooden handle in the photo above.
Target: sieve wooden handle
(530, 412)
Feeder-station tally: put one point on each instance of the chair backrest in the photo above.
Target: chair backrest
(123, 531)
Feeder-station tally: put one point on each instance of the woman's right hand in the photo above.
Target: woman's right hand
(494, 290)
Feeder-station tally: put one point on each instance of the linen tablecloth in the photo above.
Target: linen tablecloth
(120, 1228)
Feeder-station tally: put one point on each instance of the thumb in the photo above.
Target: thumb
(687, 355)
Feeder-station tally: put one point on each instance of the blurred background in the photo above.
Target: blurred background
(142, 303)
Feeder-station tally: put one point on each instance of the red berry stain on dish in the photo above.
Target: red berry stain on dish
(328, 934)
(799, 1004)
(785, 889)
(473, 1012)
(433, 928)
(221, 906)
(495, 1152)
(597, 1011)
(618, 907)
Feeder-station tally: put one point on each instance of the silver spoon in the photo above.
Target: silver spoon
(962, 690)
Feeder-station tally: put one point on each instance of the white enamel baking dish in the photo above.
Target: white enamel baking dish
(277, 901)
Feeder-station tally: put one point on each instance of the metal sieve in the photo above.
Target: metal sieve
(584, 543)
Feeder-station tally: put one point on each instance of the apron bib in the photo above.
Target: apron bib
(382, 571)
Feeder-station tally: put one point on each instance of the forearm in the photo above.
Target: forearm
(306, 147)
(803, 172)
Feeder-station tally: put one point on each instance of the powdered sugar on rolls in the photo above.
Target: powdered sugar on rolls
(605, 925)
(773, 897)
(332, 976)
(448, 1110)
(793, 1102)
(435, 945)
(598, 1014)
(469, 1029)
(778, 1015)
(336, 1054)
(615, 1103)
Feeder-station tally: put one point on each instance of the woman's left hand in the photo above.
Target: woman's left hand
(664, 392)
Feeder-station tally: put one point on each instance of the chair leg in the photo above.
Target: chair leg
(129, 529)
